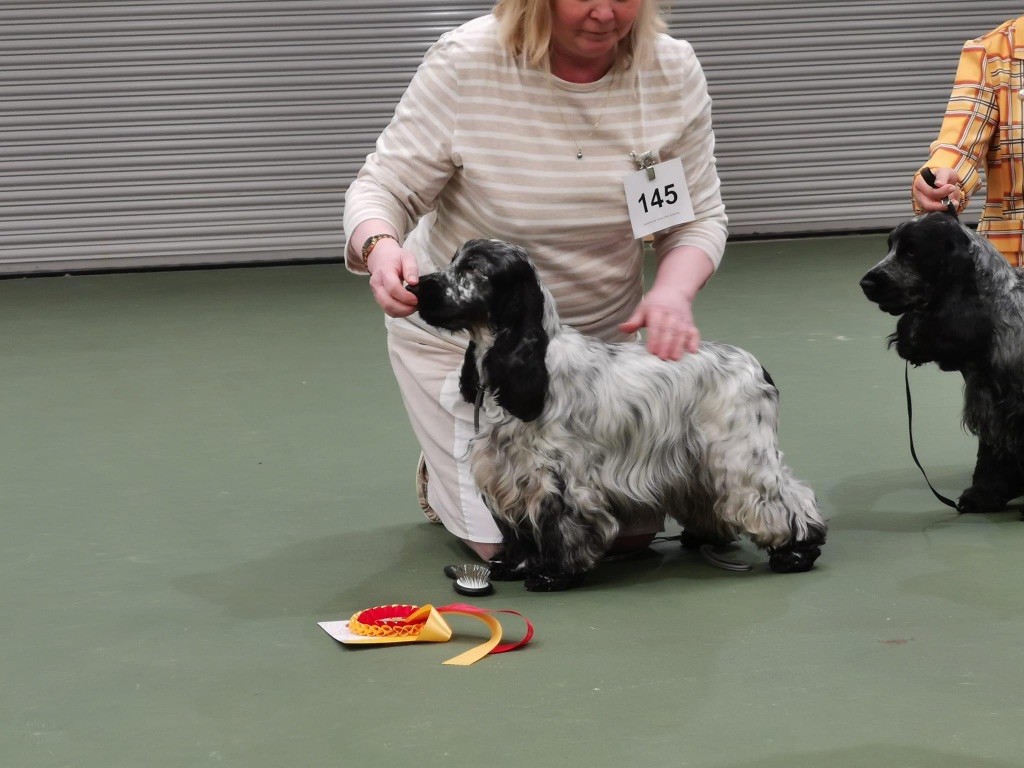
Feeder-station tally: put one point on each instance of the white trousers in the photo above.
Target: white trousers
(427, 369)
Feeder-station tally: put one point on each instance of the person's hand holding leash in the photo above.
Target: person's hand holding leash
(946, 191)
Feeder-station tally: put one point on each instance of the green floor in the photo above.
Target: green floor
(196, 467)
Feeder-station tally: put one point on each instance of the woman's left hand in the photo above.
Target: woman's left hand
(668, 317)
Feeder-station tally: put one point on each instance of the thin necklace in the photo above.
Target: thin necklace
(607, 97)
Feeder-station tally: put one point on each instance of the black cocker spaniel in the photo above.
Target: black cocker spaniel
(961, 306)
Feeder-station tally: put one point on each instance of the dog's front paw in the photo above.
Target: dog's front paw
(552, 582)
(502, 570)
(975, 500)
(796, 558)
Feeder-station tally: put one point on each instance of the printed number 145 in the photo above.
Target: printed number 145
(659, 198)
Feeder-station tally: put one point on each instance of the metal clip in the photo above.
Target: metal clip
(645, 161)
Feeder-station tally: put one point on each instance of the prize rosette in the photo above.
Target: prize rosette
(403, 623)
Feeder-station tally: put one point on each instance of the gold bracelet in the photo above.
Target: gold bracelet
(962, 203)
(372, 241)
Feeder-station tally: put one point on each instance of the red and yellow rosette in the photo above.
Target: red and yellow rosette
(386, 624)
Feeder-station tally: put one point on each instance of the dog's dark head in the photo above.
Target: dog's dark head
(492, 290)
(929, 258)
(929, 279)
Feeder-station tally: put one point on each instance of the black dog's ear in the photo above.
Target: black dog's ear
(516, 372)
(955, 332)
(961, 320)
(962, 328)
(514, 366)
(469, 380)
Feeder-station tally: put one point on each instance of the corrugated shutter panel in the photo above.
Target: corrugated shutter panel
(824, 110)
(181, 133)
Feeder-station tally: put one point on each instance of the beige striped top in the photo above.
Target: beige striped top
(481, 146)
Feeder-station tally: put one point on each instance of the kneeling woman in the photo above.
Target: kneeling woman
(524, 125)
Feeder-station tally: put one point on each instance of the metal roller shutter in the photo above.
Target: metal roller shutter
(149, 133)
(823, 110)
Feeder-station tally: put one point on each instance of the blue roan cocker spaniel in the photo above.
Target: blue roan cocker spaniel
(581, 439)
(961, 306)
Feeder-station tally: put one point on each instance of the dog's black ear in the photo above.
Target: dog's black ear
(960, 319)
(514, 365)
(469, 380)
(963, 331)
(517, 373)
(952, 266)
(955, 332)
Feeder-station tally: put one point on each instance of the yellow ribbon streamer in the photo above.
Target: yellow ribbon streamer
(474, 655)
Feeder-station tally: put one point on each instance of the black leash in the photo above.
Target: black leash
(910, 428)
(477, 405)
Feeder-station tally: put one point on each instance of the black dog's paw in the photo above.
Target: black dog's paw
(552, 582)
(977, 500)
(501, 570)
(796, 558)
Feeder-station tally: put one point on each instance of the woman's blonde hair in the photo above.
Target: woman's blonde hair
(526, 31)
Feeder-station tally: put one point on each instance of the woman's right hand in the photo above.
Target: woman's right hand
(391, 267)
(946, 186)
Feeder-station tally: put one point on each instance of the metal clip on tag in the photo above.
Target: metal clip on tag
(645, 161)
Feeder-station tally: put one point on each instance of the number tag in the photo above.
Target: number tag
(659, 203)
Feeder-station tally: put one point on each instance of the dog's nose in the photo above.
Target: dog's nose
(413, 288)
(869, 284)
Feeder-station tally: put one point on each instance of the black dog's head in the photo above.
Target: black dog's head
(478, 289)
(929, 279)
(492, 290)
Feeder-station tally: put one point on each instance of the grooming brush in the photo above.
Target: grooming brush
(471, 580)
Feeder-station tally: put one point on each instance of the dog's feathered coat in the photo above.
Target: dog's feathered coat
(582, 439)
(961, 306)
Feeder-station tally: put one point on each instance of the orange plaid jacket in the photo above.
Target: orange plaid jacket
(985, 121)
